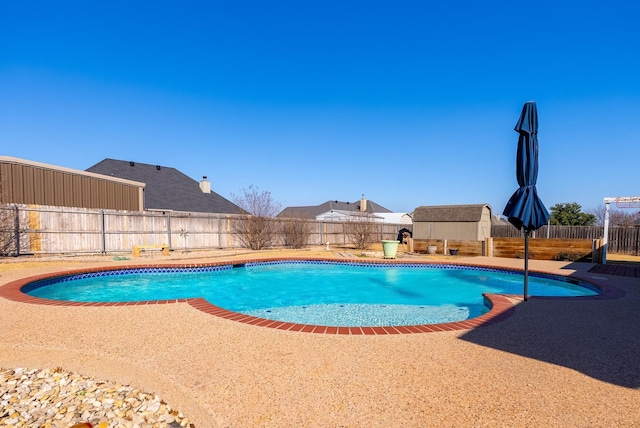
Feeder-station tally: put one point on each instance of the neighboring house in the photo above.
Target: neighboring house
(460, 222)
(341, 215)
(396, 218)
(498, 220)
(34, 183)
(167, 189)
(345, 211)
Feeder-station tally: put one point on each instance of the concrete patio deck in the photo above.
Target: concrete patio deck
(553, 362)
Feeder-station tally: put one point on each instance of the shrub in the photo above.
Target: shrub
(520, 255)
(257, 229)
(569, 256)
(361, 233)
(296, 232)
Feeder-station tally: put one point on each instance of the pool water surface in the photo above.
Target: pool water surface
(316, 293)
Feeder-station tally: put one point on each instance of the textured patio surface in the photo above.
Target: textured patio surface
(617, 269)
(554, 362)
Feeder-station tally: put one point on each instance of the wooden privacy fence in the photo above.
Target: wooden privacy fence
(562, 232)
(55, 230)
(467, 248)
(621, 240)
(548, 249)
(539, 249)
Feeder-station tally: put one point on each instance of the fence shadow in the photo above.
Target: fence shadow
(599, 337)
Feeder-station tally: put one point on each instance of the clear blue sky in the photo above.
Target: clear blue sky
(411, 103)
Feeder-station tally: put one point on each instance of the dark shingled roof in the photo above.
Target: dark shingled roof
(313, 211)
(444, 213)
(167, 188)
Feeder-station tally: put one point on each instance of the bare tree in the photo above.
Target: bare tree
(361, 232)
(8, 243)
(8, 232)
(296, 231)
(17, 236)
(257, 229)
(621, 218)
(616, 217)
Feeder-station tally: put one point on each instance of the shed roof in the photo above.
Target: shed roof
(450, 213)
(166, 187)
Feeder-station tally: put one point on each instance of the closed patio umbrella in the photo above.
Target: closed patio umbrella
(525, 210)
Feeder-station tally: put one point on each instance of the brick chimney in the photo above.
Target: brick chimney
(363, 204)
(205, 185)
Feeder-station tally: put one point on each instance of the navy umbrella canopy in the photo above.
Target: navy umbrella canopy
(525, 210)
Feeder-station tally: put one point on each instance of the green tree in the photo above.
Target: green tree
(570, 215)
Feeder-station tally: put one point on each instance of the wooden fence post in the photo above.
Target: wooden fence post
(487, 249)
(169, 230)
(16, 229)
(103, 237)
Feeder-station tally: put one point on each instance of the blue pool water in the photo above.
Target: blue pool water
(315, 293)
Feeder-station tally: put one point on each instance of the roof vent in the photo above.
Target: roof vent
(158, 167)
(131, 163)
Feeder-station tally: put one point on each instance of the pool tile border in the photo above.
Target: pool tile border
(502, 306)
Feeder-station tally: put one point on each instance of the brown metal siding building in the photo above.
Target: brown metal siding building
(455, 222)
(27, 182)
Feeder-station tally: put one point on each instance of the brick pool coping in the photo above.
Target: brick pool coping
(502, 306)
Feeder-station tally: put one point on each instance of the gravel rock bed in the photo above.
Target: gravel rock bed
(56, 398)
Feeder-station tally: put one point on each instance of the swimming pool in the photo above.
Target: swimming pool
(315, 292)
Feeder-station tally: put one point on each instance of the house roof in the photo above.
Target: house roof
(349, 214)
(447, 213)
(396, 218)
(497, 221)
(313, 210)
(166, 188)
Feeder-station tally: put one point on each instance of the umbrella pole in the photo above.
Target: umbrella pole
(526, 264)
